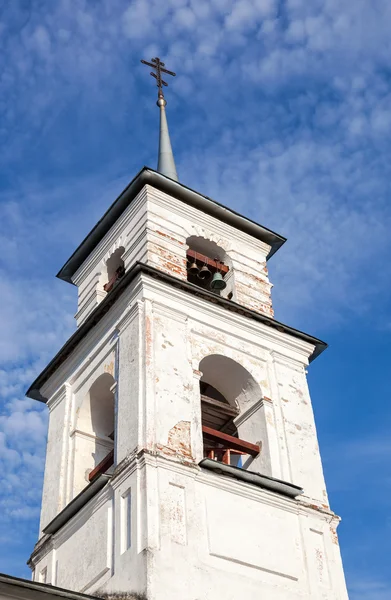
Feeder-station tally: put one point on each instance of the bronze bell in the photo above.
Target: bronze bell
(218, 282)
(193, 269)
(204, 273)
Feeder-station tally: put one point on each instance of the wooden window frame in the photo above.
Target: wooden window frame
(230, 442)
(103, 466)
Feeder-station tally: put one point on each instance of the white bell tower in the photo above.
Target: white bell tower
(182, 457)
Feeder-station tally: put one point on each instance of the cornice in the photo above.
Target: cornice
(129, 316)
(166, 311)
(110, 237)
(41, 549)
(206, 309)
(209, 223)
(92, 506)
(221, 328)
(58, 396)
(103, 336)
(172, 189)
(281, 334)
(286, 361)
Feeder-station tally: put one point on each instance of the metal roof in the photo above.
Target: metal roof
(159, 181)
(264, 481)
(77, 503)
(102, 308)
(15, 587)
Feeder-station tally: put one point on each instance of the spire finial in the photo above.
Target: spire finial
(166, 163)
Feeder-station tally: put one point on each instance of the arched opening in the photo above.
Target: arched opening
(95, 432)
(227, 391)
(209, 267)
(115, 269)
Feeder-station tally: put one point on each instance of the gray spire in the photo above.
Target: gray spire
(166, 162)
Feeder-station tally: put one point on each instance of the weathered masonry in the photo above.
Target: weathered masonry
(182, 457)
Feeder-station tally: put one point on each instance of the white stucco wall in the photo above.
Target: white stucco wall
(154, 229)
(162, 524)
(167, 529)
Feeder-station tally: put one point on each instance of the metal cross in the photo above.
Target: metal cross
(158, 66)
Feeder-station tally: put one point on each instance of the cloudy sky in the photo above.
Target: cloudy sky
(280, 110)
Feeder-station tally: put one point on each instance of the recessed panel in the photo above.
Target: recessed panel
(253, 534)
(85, 556)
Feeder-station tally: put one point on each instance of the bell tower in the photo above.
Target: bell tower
(182, 456)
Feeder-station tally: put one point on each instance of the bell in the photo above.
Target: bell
(193, 269)
(204, 273)
(218, 282)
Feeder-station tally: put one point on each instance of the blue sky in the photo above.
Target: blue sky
(280, 110)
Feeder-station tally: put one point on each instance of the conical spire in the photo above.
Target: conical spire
(166, 162)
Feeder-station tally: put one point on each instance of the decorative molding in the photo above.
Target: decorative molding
(157, 237)
(95, 580)
(139, 240)
(58, 396)
(212, 339)
(114, 247)
(254, 566)
(41, 549)
(90, 436)
(202, 308)
(129, 316)
(286, 361)
(69, 528)
(116, 230)
(233, 486)
(197, 221)
(165, 311)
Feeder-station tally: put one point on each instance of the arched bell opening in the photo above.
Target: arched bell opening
(226, 390)
(115, 269)
(209, 267)
(95, 432)
(218, 415)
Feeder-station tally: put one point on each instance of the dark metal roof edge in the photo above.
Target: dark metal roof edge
(263, 481)
(148, 176)
(102, 308)
(101, 228)
(232, 217)
(77, 504)
(45, 588)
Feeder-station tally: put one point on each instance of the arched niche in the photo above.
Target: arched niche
(113, 268)
(200, 248)
(95, 429)
(228, 392)
(96, 415)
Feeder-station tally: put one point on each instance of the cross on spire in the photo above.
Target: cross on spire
(166, 162)
(159, 67)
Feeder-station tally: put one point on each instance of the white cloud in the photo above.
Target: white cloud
(369, 589)
(288, 122)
